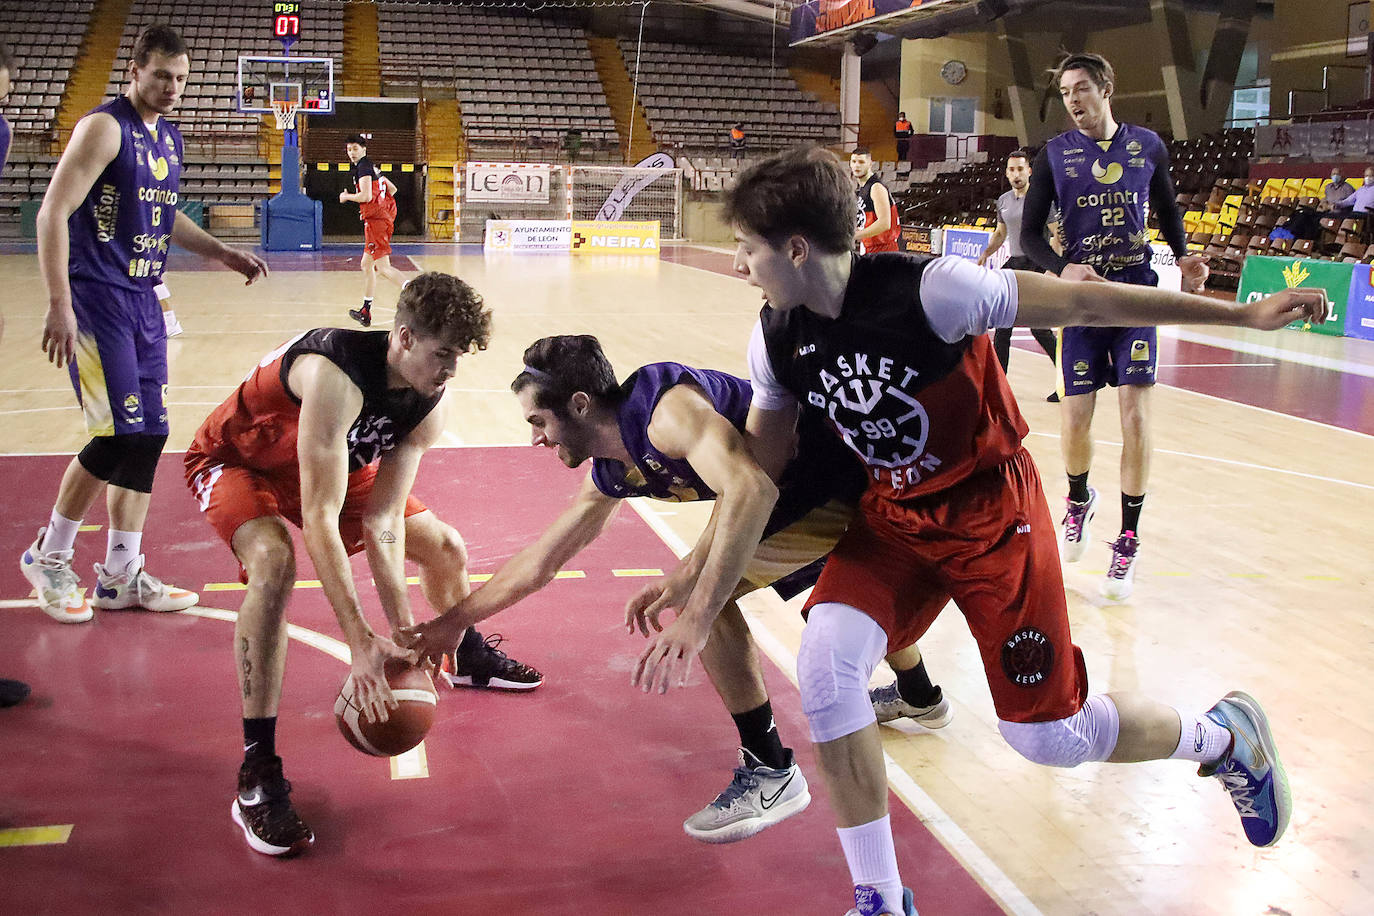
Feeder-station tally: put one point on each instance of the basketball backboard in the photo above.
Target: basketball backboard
(307, 81)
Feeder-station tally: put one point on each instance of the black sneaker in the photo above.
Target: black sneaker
(263, 809)
(489, 667)
(362, 316)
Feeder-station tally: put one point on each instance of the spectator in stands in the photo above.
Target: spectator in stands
(1337, 189)
(572, 144)
(11, 692)
(903, 131)
(737, 140)
(1361, 201)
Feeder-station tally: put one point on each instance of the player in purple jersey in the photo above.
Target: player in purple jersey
(103, 233)
(1102, 174)
(674, 433)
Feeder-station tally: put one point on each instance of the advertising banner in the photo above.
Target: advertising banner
(918, 239)
(964, 243)
(1359, 307)
(507, 183)
(1263, 276)
(633, 182)
(625, 237)
(527, 235)
(821, 17)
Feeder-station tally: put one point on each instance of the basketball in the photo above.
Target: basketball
(407, 724)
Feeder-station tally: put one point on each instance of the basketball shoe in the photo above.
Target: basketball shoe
(54, 581)
(757, 798)
(1250, 770)
(489, 667)
(888, 705)
(12, 693)
(136, 588)
(1120, 578)
(868, 902)
(263, 810)
(362, 316)
(1073, 539)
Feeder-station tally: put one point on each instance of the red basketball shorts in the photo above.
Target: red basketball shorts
(377, 236)
(989, 544)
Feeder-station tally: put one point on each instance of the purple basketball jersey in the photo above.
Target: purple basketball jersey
(1102, 188)
(120, 233)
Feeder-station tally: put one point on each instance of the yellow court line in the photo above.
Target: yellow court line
(90, 527)
(36, 836)
(630, 573)
(415, 580)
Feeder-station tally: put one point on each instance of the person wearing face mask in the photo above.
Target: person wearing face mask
(1336, 190)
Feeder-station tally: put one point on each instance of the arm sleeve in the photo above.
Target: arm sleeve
(769, 393)
(1036, 212)
(961, 299)
(1165, 207)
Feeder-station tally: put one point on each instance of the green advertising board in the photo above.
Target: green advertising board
(1263, 276)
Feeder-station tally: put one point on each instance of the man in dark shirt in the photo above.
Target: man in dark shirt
(375, 196)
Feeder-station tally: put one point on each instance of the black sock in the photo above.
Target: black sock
(1130, 512)
(367, 303)
(472, 641)
(759, 736)
(259, 738)
(1078, 487)
(915, 687)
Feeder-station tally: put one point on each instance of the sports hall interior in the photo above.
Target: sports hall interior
(114, 774)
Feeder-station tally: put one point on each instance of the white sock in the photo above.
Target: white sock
(1201, 739)
(121, 550)
(61, 533)
(872, 858)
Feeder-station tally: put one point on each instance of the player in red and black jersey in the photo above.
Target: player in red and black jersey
(327, 434)
(375, 196)
(876, 225)
(893, 350)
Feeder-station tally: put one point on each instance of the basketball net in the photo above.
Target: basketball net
(285, 113)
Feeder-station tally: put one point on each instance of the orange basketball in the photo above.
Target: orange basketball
(407, 724)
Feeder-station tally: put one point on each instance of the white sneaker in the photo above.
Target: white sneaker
(888, 705)
(135, 588)
(1120, 579)
(173, 326)
(756, 799)
(59, 591)
(1073, 539)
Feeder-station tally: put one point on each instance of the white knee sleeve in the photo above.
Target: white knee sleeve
(840, 647)
(1089, 734)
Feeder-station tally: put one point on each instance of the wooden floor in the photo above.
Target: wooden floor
(1255, 569)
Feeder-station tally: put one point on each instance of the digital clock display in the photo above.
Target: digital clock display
(286, 20)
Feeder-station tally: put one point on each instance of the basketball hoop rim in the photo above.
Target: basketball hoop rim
(285, 113)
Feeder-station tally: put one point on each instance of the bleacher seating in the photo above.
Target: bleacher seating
(514, 76)
(217, 33)
(693, 95)
(44, 40)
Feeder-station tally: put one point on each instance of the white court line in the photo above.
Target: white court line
(1209, 365)
(451, 439)
(992, 878)
(1229, 461)
(1257, 349)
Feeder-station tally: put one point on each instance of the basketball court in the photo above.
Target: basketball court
(117, 774)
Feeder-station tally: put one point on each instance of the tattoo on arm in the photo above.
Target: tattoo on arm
(386, 537)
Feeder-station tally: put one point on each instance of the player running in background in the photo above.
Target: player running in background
(876, 225)
(375, 196)
(327, 434)
(1102, 174)
(103, 232)
(675, 433)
